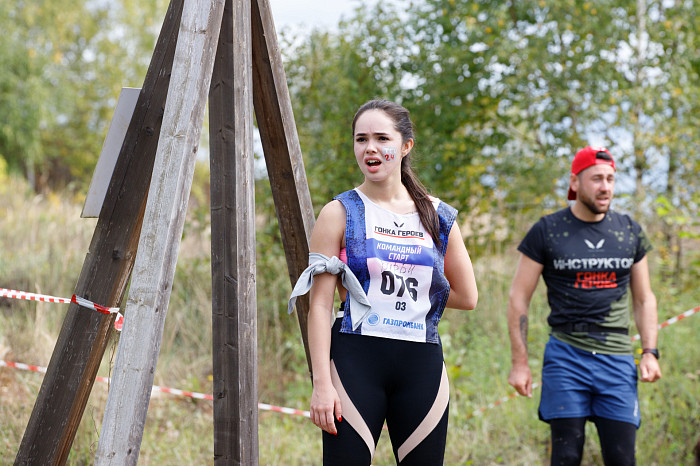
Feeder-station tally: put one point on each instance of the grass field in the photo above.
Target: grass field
(42, 247)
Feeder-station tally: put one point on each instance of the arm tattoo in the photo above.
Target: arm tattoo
(523, 329)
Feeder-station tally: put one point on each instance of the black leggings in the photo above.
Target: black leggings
(616, 441)
(401, 382)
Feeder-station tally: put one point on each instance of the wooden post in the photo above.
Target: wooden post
(234, 307)
(285, 166)
(250, 54)
(154, 268)
(85, 334)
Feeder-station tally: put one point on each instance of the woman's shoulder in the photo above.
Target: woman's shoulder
(437, 201)
(442, 207)
(328, 232)
(347, 196)
(332, 212)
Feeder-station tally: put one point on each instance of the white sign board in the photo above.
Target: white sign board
(110, 151)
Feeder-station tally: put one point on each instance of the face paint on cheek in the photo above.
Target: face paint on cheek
(389, 153)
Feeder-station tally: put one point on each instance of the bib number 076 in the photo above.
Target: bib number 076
(389, 282)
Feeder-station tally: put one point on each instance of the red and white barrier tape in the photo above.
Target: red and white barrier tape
(278, 409)
(6, 293)
(158, 389)
(264, 406)
(480, 411)
(673, 320)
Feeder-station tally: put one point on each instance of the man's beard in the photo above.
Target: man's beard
(591, 205)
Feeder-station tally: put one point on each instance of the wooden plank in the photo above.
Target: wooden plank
(95, 198)
(280, 141)
(234, 316)
(164, 217)
(85, 334)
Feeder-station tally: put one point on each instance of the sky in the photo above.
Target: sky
(312, 13)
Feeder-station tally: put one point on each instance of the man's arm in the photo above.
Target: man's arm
(645, 316)
(524, 283)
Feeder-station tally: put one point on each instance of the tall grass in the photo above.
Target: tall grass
(43, 243)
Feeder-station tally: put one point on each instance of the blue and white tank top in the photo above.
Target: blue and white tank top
(399, 266)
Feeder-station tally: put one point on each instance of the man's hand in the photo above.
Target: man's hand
(649, 368)
(521, 379)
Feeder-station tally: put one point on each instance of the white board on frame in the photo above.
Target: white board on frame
(110, 151)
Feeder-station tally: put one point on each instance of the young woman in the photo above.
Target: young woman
(402, 260)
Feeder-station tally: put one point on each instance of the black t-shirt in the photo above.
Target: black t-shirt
(587, 269)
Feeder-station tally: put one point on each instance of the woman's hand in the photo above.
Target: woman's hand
(325, 407)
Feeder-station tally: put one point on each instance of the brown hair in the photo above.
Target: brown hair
(403, 124)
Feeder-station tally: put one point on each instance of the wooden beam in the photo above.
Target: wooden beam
(164, 218)
(285, 165)
(85, 334)
(234, 306)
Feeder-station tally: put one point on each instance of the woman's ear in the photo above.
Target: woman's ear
(407, 146)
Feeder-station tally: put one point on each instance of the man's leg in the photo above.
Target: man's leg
(617, 440)
(568, 436)
(616, 408)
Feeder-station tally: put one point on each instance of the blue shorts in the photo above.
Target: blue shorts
(578, 383)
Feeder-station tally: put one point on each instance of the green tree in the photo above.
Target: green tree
(66, 62)
(330, 75)
(503, 94)
(673, 110)
(21, 95)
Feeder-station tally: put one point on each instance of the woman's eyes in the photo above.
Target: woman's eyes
(364, 139)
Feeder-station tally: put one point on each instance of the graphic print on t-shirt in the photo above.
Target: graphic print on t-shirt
(593, 272)
(587, 268)
(400, 265)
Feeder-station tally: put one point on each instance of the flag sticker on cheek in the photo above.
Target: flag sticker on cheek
(389, 153)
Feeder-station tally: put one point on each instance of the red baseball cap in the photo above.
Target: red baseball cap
(587, 157)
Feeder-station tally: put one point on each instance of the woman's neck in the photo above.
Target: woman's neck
(392, 197)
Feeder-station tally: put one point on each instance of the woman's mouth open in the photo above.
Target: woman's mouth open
(373, 164)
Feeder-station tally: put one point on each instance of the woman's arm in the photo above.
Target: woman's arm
(460, 273)
(326, 238)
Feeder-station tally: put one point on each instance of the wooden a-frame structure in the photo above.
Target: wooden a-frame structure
(227, 49)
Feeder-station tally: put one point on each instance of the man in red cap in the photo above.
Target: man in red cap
(592, 260)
